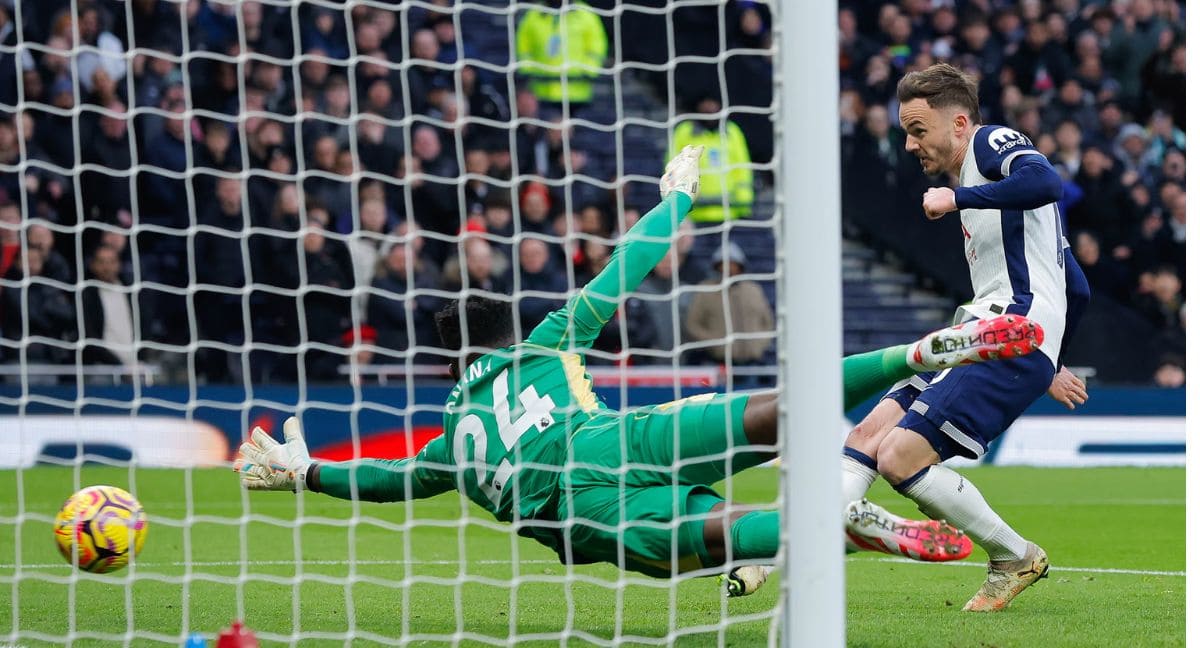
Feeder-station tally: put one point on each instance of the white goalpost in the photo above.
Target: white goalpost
(302, 185)
(811, 222)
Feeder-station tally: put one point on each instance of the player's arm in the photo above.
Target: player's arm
(646, 243)
(1022, 177)
(1030, 183)
(383, 480)
(265, 464)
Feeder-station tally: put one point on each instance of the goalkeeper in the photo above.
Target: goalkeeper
(526, 438)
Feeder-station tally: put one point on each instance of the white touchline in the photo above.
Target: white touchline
(282, 563)
(1053, 567)
(274, 563)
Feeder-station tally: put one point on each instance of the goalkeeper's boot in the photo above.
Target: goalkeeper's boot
(745, 581)
(872, 528)
(1008, 578)
(995, 338)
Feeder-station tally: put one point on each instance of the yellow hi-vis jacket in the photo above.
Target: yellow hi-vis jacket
(544, 48)
(724, 169)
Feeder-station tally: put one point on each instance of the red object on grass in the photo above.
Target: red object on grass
(237, 636)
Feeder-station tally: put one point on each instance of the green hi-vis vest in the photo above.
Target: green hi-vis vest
(724, 170)
(545, 48)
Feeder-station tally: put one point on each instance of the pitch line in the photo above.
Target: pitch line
(286, 563)
(1053, 567)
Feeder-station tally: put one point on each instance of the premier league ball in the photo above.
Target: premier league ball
(99, 528)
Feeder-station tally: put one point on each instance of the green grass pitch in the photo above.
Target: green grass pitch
(1091, 521)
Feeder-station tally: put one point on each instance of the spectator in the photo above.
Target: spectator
(36, 309)
(326, 298)
(221, 263)
(1160, 298)
(533, 145)
(1132, 150)
(325, 29)
(1103, 206)
(107, 315)
(442, 25)
(665, 305)
(1104, 275)
(325, 183)
(854, 48)
(1068, 156)
(107, 194)
(366, 242)
(1170, 373)
(102, 67)
(54, 265)
(550, 44)
(535, 208)
(725, 174)
(478, 184)
(396, 301)
(1039, 63)
(1072, 102)
(441, 192)
(592, 258)
(538, 274)
(423, 75)
(743, 302)
(484, 101)
(480, 269)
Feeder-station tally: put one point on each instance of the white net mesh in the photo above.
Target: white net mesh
(216, 214)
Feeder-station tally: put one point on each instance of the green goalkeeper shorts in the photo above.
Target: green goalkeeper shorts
(636, 489)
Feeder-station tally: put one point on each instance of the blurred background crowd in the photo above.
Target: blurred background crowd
(232, 174)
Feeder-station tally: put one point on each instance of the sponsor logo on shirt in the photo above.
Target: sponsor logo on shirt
(1003, 139)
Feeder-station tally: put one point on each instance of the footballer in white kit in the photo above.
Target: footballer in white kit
(1020, 264)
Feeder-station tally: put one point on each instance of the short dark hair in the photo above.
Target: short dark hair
(488, 323)
(942, 85)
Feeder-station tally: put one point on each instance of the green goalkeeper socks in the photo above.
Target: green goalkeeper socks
(867, 373)
(755, 535)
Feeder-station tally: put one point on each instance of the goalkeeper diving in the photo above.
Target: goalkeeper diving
(525, 436)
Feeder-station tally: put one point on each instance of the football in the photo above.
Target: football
(99, 527)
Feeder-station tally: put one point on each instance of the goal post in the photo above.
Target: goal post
(810, 207)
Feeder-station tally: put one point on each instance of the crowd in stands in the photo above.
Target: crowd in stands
(328, 178)
(318, 178)
(1098, 86)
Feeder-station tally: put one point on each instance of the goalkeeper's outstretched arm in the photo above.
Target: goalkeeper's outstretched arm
(647, 242)
(265, 464)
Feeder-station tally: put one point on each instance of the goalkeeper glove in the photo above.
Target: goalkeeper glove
(265, 464)
(682, 173)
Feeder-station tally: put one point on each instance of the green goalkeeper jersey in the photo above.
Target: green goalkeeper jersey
(508, 418)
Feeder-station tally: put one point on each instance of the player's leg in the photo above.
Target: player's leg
(859, 468)
(959, 414)
(996, 338)
(717, 436)
(698, 440)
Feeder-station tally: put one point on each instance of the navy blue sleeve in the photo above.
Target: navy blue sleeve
(1030, 183)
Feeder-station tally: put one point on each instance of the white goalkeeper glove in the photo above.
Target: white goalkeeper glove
(682, 173)
(265, 464)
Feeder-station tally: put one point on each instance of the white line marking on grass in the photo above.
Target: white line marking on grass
(1053, 567)
(286, 563)
(292, 563)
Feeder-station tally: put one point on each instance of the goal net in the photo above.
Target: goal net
(218, 214)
